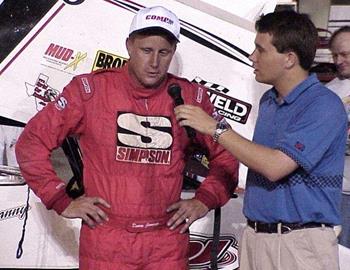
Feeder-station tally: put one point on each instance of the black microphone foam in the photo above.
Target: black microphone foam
(174, 90)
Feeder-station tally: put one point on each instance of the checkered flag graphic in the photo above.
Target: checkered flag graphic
(211, 86)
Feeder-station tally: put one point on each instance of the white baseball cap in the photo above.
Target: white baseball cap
(156, 17)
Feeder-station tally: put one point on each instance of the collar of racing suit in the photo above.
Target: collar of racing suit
(141, 92)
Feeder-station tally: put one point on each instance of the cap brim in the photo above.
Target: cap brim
(156, 29)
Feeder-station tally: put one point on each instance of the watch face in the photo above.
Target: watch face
(223, 125)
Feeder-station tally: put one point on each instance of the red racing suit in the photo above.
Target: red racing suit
(133, 153)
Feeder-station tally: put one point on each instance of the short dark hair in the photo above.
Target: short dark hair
(291, 31)
(155, 31)
(343, 29)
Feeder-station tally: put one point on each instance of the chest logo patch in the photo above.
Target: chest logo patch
(143, 139)
(299, 146)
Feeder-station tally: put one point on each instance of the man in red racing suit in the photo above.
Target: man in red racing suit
(133, 153)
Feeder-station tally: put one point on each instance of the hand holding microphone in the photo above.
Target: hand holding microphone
(192, 118)
(174, 91)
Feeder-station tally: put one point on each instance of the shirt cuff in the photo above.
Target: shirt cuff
(59, 202)
(207, 198)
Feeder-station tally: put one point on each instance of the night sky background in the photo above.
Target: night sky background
(17, 18)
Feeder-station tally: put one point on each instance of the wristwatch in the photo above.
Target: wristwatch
(221, 127)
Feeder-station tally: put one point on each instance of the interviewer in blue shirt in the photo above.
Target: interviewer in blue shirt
(296, 158)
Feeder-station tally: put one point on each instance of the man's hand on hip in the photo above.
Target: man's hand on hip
(187, 211)
(87, 209)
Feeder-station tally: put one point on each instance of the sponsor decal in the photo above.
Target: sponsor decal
(60, 186)
(226, 106)
(76, 60)
(132, 154)
(41, 91)
(61, 103)
(105, 60)
(86, 85)
(200, 252)
(18, 211)
(143, 139)
(62, 58)
(199, 96)
(159, 18)
(58, 52)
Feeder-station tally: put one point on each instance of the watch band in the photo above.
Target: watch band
(221, 127)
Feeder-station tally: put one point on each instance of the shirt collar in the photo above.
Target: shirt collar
(298, 90)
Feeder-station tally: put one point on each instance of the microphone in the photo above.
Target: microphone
(174, 90)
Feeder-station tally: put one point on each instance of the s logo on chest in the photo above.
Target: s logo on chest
(143, 139)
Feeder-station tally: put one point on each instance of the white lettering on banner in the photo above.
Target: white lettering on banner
(230, 116)
(219, 102)
(226, 106)
(229, 108)
(239, 109)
